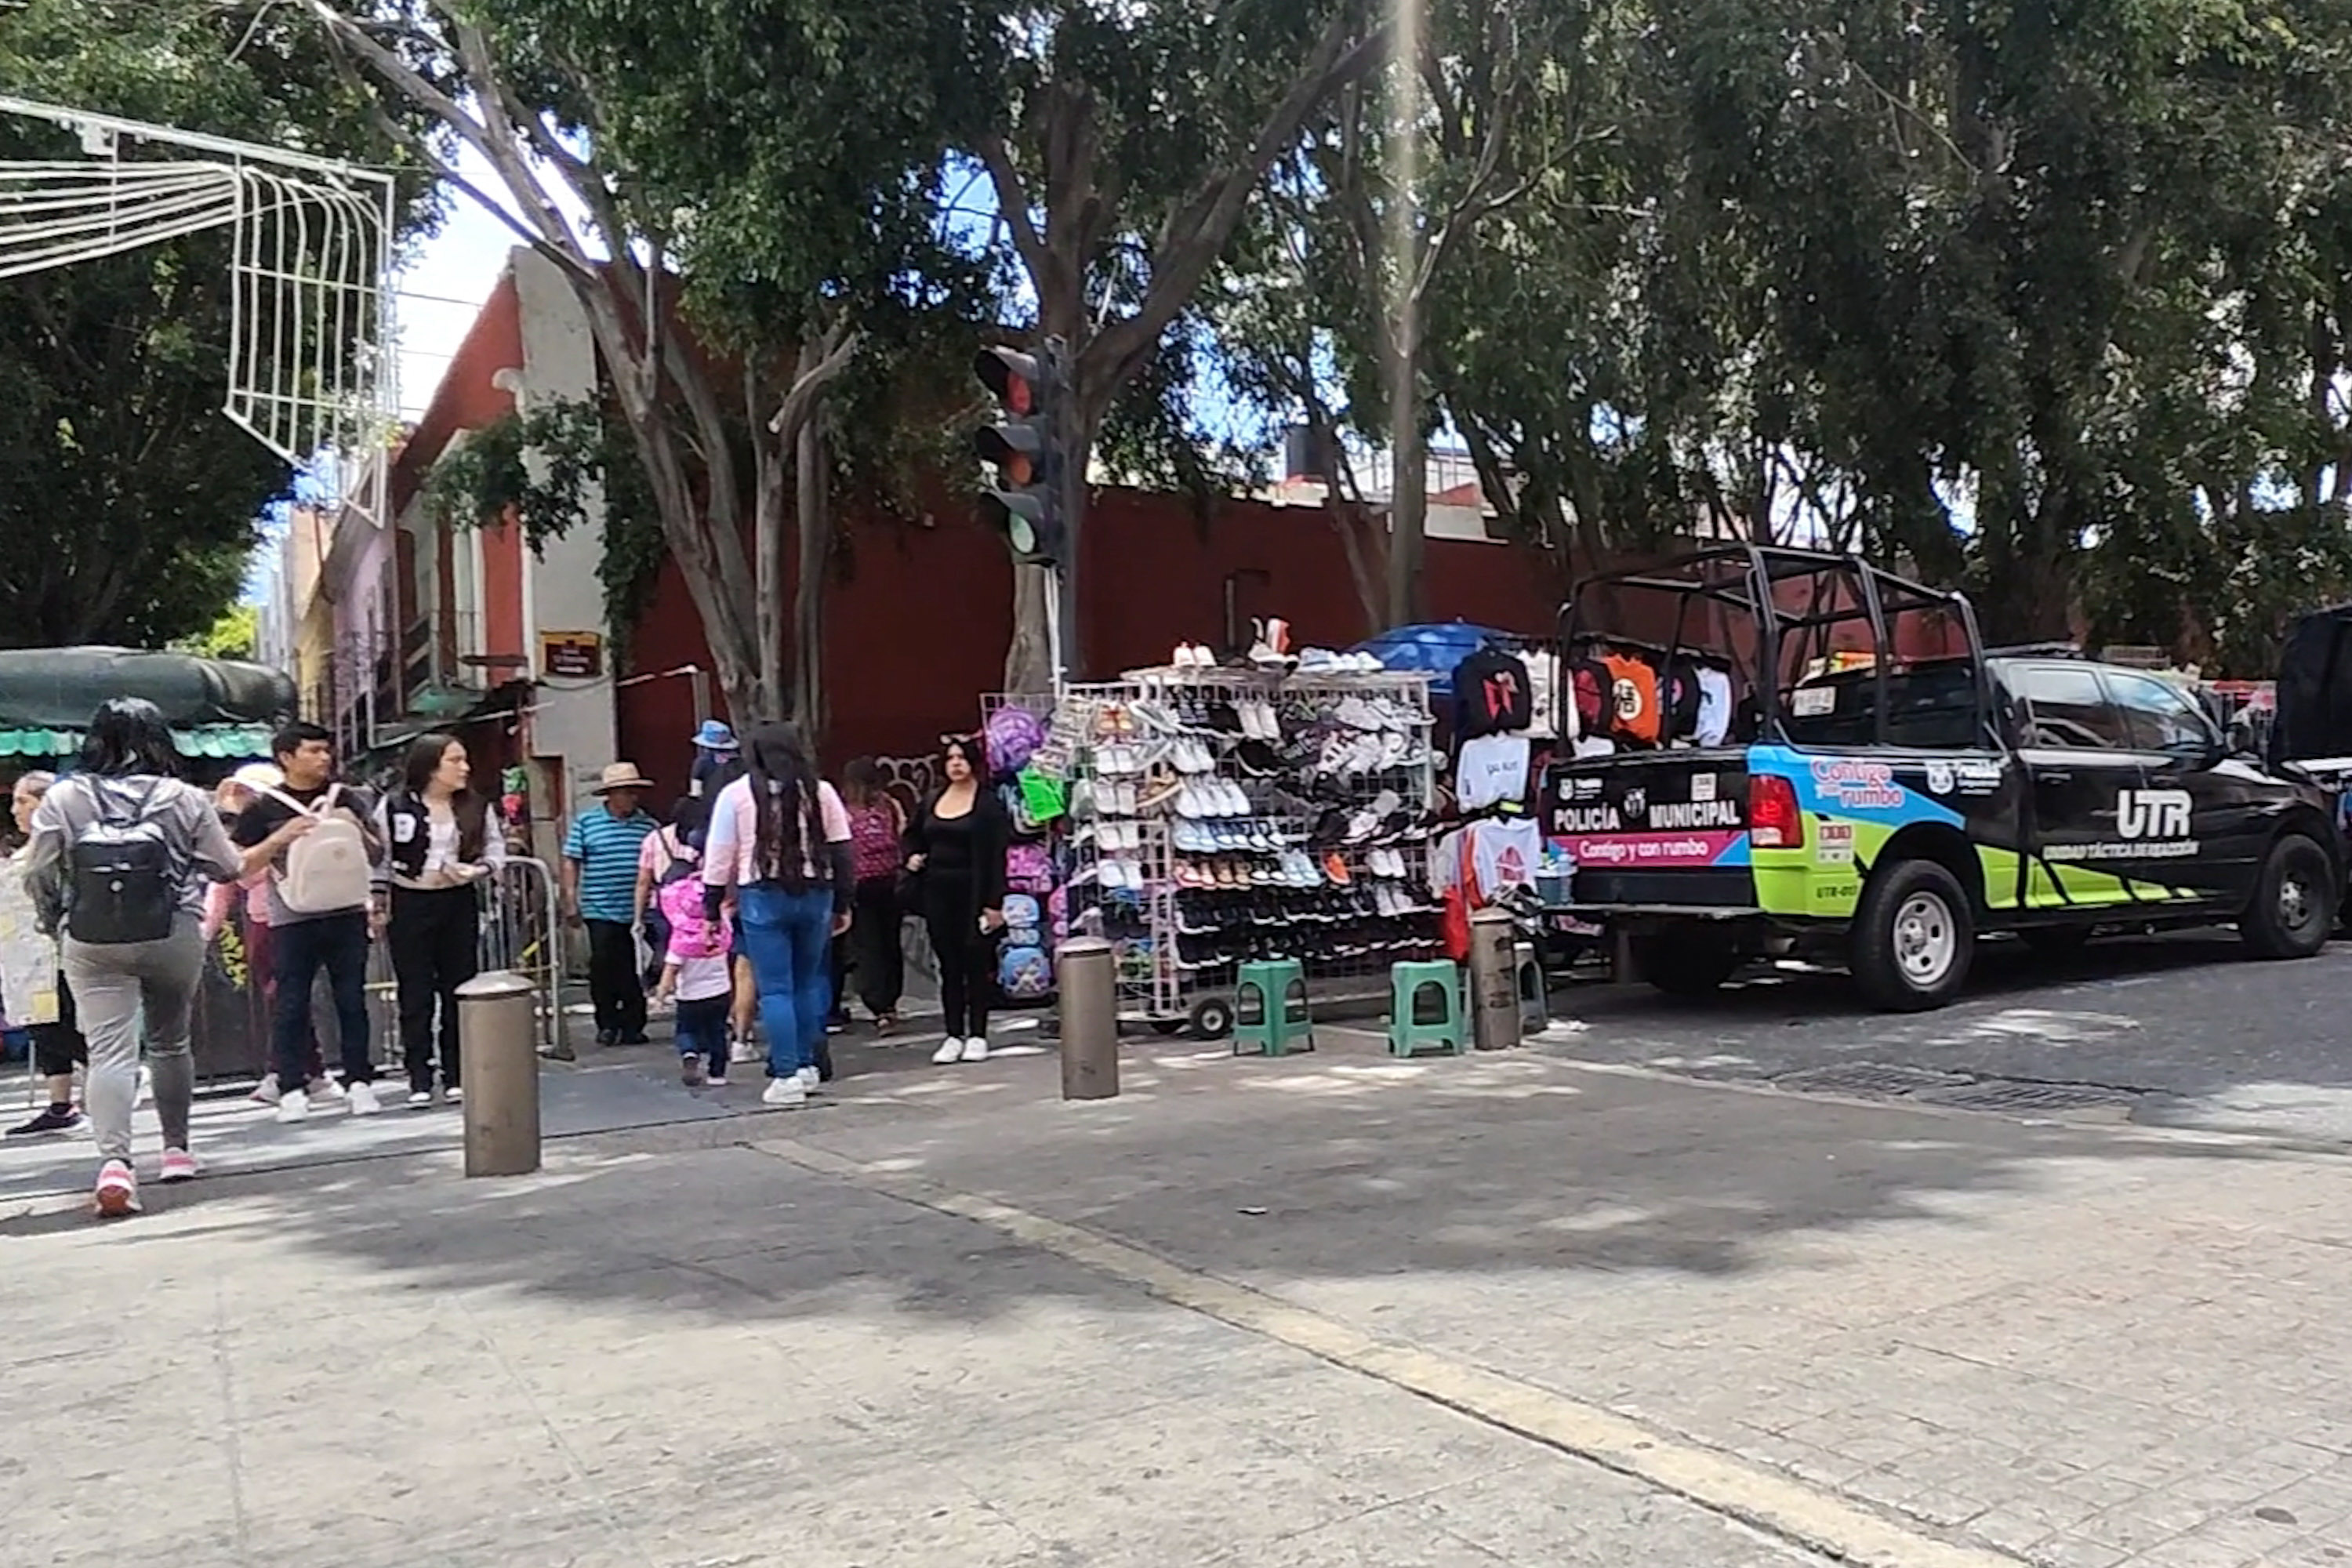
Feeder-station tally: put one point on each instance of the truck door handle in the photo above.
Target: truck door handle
(2057, 775)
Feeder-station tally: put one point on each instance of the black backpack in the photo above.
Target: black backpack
(120, 886)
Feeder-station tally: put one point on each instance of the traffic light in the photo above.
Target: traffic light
(1024, 503)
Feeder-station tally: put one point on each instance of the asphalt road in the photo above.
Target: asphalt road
(2177, 1030)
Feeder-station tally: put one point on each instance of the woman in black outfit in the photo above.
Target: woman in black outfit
(955, 848)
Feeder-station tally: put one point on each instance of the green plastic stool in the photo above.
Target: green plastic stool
(1411, 984)
(1270, 1014)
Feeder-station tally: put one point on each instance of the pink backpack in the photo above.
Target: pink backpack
(692, 934)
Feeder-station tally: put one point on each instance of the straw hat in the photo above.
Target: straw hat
(620, 776)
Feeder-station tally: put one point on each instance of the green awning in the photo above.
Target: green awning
(218, 742)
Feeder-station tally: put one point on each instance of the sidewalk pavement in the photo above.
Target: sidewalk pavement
(1218, 1320)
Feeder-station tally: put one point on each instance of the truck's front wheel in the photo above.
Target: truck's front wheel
(1913, 937)
(1687, 964)
(2295, 900)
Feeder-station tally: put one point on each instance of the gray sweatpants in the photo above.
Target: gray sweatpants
(112, 986)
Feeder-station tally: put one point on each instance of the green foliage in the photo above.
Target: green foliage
(127, 501)
(237, 634)
(547, 471)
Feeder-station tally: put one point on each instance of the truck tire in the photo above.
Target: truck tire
(1684, 965)
(2293, 907)
(1914, 938)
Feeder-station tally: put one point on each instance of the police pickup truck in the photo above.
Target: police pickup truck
(1886, 816)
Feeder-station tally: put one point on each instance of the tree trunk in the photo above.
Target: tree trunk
(808, 599)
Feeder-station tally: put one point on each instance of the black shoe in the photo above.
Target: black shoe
(608, 1036)
(635, 1037)
(56, 1119)
(561, 1051)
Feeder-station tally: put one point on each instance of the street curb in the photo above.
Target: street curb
(1755, 1496)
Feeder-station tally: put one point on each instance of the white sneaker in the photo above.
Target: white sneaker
(452, 1094)
(975, 1049)
(950, 1050)
(294, 1105)
(744, 1050)
(325, 1088)
(363, 1099)
(265, 1092)
(418, 1099)
(784, 1091)
(810, 1078)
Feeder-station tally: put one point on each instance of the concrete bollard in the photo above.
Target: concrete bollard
(1494, 980)
(1088, 972)
(497, 1041)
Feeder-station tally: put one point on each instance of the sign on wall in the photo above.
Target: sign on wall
(570, 655)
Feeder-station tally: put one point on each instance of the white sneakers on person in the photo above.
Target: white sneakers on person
(419, 1099)
(294, 1106)
(784, 1091)
(975, 1049)
(810, 1078)
(362, 1099)
(452, 1094)
(950, 1050)
(742, 1050)
(117, 1193)
(179, 1165)
(265, 1092)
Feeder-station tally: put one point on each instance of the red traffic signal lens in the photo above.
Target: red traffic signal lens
(1012, 375)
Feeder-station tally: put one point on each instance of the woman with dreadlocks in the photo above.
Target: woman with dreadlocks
(780, 838)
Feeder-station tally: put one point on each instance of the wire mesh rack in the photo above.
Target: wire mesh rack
(1219, 816)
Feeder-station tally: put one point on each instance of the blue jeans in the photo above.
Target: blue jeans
(786, 935)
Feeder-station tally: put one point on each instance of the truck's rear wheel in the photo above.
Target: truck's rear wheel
(1684, 965)
(2293, 907)
(1913, 937)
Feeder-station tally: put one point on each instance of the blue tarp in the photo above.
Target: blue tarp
(1435, 646)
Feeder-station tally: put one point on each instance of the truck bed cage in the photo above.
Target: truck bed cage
(1747, 578)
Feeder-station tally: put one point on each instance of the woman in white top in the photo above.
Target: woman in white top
(442, 838)
(779, 841)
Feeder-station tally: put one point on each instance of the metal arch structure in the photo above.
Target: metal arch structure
(313, 375)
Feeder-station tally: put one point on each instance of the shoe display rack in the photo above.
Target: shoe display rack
(1220, 816)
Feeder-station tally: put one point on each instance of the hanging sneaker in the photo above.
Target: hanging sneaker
(294, 1106)
(179, 1165)
(362, 1097)
(117, 1193)
(784, 1091)
(54, 1119)
(743, 1050)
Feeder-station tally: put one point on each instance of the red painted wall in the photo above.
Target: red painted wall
(920, 617)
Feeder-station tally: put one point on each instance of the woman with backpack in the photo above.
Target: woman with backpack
(441, 839)
(780, 838)
(120, 860)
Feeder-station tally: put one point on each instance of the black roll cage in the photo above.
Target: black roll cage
(1741, 577)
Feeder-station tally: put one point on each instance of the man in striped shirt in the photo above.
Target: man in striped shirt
(600, 885)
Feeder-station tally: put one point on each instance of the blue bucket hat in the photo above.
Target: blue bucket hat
(714, 736)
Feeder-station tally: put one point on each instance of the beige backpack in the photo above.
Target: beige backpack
(327, 870)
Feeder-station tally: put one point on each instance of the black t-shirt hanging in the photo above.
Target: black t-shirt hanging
(1491, 695)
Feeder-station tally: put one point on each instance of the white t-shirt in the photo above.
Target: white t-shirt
(700, 979)
(1714, 707)
(1492, 769)
(1504, 854)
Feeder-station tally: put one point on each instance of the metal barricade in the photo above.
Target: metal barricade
(522, 934)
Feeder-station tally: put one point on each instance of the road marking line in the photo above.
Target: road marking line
(1752, 1494)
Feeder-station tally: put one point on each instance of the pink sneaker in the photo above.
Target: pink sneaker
(117, 1193)
(179, 1165)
